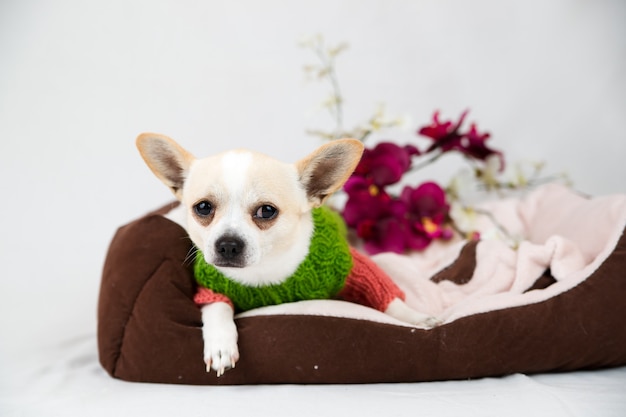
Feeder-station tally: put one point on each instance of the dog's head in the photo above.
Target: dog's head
(249, 214)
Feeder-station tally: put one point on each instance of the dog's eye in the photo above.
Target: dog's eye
(203, 208)
(266, 212)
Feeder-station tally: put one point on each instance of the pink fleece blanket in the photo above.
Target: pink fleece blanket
(557, 229)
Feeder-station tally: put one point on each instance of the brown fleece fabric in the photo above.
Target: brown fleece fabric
(149, 327)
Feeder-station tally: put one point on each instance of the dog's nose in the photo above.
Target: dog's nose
(229, 247)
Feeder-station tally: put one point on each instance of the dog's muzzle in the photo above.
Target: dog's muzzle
(229, 252)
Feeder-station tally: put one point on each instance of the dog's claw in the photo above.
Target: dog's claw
(219, 333)
(219, 365)
(432, 321)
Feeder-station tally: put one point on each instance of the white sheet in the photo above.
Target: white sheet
(62, 377)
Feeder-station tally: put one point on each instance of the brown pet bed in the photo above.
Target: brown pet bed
(571, 316)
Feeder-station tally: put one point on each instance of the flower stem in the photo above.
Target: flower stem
(427, 162)
(337, 109)
(528, 184)
(497, 225)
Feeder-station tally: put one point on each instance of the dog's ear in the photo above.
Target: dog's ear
(326, 170)
(166, 158)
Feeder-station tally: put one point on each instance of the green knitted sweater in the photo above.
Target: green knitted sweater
(321, 275)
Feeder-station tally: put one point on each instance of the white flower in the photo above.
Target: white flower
(464, 217)
(493, 166)
(311, 41)
(461, 186)
(334, 51)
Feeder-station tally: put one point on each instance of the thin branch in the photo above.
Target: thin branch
(427, 162)
(329, 65)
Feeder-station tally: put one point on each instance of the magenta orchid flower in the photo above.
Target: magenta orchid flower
(447, 136)
(474, 146)
(386, 163)
(386, 224)
(412, 220)
(366, 202)
(385, 235)
(427, 211)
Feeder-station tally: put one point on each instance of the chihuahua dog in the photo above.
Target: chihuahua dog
(251, 218)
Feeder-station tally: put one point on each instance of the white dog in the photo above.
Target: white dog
(251, 217)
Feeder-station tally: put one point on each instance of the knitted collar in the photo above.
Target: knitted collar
(321, 275)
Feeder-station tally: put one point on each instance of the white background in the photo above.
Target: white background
(80, 79)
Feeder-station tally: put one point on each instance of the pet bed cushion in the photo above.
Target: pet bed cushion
(556, 303)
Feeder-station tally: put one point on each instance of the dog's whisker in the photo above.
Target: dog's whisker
(191, 256)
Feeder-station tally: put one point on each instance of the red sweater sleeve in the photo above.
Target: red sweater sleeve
(205, 296)
(369, 285)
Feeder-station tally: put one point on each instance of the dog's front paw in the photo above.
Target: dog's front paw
(398, 309)
(220, 350)
(429, 322)
(220, 338)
